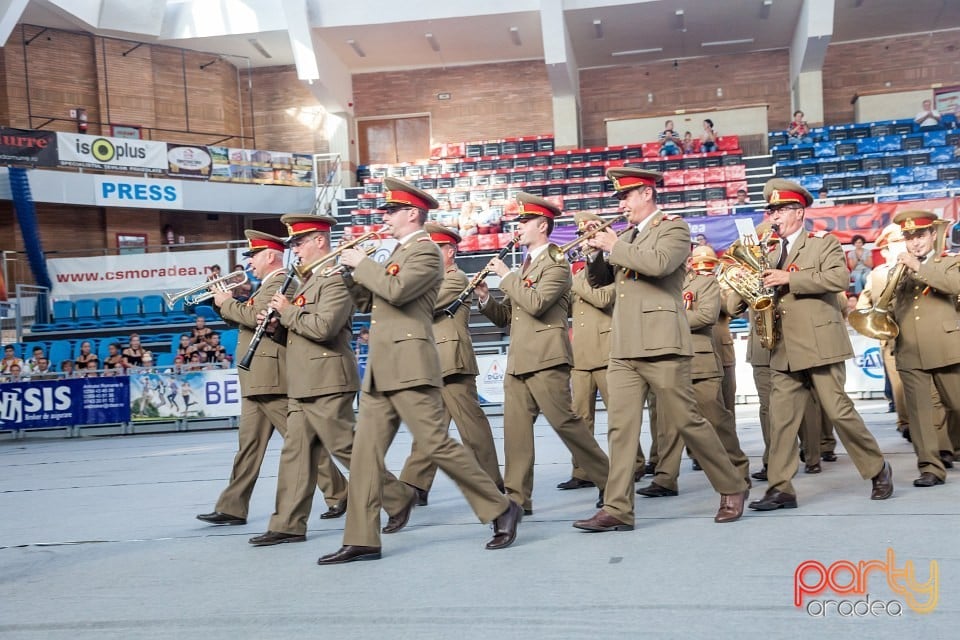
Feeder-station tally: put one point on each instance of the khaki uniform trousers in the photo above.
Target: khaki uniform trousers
(421, 409)
(761, 380)
(548, 392)
(585, 387)
(709, 399)
(314, 425)
(729, 388)
(259, 416)
(461, 402)
(946, 421)
(654, 441)
(810, 428)
(668, 377)
(929, 437)
(789, 394)
(899, 402)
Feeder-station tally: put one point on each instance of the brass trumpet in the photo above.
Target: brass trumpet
(333, 268)
(208, 289)
(558, 253)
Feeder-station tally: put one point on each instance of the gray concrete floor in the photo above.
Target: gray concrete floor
(98, 540)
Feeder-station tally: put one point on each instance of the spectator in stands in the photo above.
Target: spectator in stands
(742, 205)
(214, 272)
(42, 370)
(178, 366)
(67, 369)
(363, 341)
(798, 132)
(708, 141)
(851, 304)
(928, 118)
(186, 346)
(822, 200)
(859, 262)
(214, 350)
(688, 145)
(488, 219)
(33, 363)
(92, 372)
(114, 360)
(467, 221)
(669, 140)
(86, 355)
(446, 216)
(243, 290)
(200, 332)
(147, 362)
(701, 240)
(10, 359)
(196, 361)
(133, 355)
(14, 373)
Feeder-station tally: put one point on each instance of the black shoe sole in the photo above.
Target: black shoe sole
(276, 542)
(368, 556)
(619, 527)
(783, 505)
(223, 524)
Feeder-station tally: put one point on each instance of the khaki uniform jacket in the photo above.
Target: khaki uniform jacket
(648, 270)
(702, 299)
(401, 297)
(268, 370)
(319, 329)
(536, 306)
(757, 354)
(812, 327)
(929, 324)
(592, 319)
(724, 339)
(452, 335)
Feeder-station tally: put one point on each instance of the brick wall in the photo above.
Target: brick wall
(286, 115)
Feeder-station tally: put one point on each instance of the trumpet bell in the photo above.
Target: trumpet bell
(874, 323)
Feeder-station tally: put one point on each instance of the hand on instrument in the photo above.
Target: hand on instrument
(776, 278)
(220, 297)
(911, 261)
(603, 240)
(483, 292)
(279, 302)
(498, 266)
(352, 257)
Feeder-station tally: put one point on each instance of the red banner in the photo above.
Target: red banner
(868, 220)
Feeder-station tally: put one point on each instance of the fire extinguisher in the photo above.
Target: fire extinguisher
(81, 120)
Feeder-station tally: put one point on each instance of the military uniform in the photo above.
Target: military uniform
(728, 358)
(536, 308)
(458, 363)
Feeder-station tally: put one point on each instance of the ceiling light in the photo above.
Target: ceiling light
(433, 42)
(259, 47)
(721, 43)
(356, 48)
(634, 52)
(765, 9)
(598, 28)
(678, 21)
(515, 36)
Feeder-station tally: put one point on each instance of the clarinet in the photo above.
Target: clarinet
(262, 327)
(454, 306)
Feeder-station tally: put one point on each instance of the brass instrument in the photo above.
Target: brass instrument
(741, 269)
(878, 322)
(261, 329)
(333, 256)
(558, 253)
(208, 289)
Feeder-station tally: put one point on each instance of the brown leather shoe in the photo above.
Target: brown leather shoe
(760, 475)
(505, 527)
(653, 490)
(399, 520)
(602, 521)
(350, 553)
(927, 479)
(882, 483)
(947, 458)
(575, 483)
(812, 468)
(335, 511)
(773, 500)
(271, 538)
(828, 456)
(638, 475)
(216, 517)
(731, 506)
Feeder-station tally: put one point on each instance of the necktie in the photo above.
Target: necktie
(784, 250)
(526, 264)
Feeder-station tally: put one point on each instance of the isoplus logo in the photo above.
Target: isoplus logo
(845, 578)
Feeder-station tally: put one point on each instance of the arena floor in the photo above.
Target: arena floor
(98, 540)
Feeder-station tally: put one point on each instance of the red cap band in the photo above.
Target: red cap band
(627, 182)
(406, 198)
(916, 223)
(786, 197)
(262, 243)
(530, 209)
(305, 227)
(442, 238)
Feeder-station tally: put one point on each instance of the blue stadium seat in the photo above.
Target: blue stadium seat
(108, 310)
(85, 312)
(177, 315)
(163, 359)
(130, 312)
(206, 311)
(228, 339)
(60, 350)
(154, 305)
(63, 312)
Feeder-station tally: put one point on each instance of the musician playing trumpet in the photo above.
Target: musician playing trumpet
(927, 348)
(539, 358)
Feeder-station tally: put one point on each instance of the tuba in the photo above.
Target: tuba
(741, 269)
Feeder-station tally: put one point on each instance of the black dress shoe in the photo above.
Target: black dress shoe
(828, 456)
(696, 465)
(946, 457)
(927, 479)
(399, 520)
(650, 469)
(600, 499)
(423, 496)
(774, 500)
(220, 518)
(882, 483)
(575, 483)
(812, 468)
(505, 527)
(760, 475)
(271, 538)
(653, 490)
(528, 512)
(638, 475)
(350, 553)
(906, 434)
(335, 511)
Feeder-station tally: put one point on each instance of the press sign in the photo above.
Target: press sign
(113, 191)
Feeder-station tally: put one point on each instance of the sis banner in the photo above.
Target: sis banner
(64, 403)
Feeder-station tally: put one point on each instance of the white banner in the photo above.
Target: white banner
(490, 380)
(199, 394)
(116, 275)
(120, 154)
(143, 193)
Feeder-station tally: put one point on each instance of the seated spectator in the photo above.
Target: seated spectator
(488, 219)
(669, 140)
(86, 355)
(798, 132)
(178, 366)
(701, 240)
(92, 372)
(446, 216)
(186, 346)
(708, 141)
(196, 361)
(467, 221)
(213, 349)
(688, 145)
(42, 370)
(133, 355)
(147, 363)
(33, 362)
(67, 369)
(822, 200)
(928, 118)
(742, 205)
(214, 272)
(242, 291)
(851, 304)
(10, 359)
(363, 341)
(859, 262)
(200, 332)
(114, 360)
(14, 373)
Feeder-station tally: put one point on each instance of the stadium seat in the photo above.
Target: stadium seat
(63, 313)
(154, 305)
(206, 311)
(130, 311)
(60, 350)
(85, 312)
(228, 339)
(108, 310)
(163, 359)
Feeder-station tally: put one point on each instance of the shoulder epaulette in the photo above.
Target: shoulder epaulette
(672, 216)
(818, 234)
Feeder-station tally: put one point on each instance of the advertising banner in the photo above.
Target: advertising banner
(230, 164)
(490, 380)
(30, 148)
(196, 394)
(868, 220)
(116, 154)
(186, 161)
(64, 403)
(141, 193)
(114, 275)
